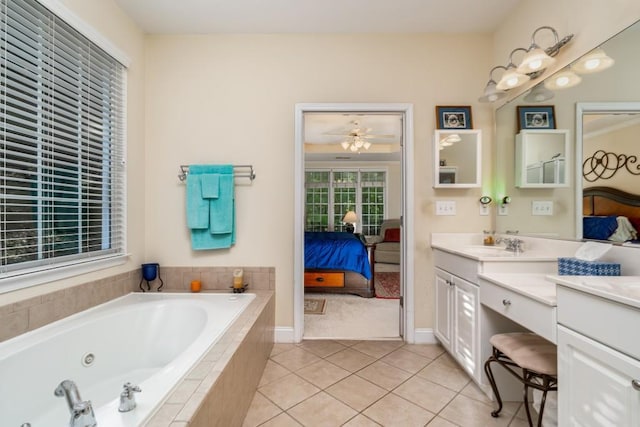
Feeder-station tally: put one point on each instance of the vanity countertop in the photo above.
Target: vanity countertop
(535, 286)
(493, 253)
(621, 289)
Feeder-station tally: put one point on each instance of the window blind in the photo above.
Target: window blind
(62, 179)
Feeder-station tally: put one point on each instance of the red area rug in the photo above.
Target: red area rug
(387, 285)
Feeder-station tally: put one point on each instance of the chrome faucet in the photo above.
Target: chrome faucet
(127, 398)
(81, 411)
(513, 244)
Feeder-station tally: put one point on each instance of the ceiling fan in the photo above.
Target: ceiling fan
(357, 137)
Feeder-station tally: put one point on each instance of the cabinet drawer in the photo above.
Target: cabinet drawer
(533, 315)
(332, 279)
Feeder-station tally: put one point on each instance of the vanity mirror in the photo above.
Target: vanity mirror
(614, 85)
(457, 155)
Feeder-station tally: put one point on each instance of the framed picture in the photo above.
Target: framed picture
(454, 117)
(538, 117)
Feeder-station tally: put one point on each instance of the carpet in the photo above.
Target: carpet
(387, 285)
(314, 306)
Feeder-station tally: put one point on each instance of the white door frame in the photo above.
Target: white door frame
(407, 208)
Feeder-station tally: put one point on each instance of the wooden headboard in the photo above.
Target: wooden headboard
(602, 201)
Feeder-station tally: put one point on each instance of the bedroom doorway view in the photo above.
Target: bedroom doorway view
(353, 202)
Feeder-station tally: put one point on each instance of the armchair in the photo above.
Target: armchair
(387, 242)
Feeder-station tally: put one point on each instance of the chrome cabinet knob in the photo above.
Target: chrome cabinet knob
(635, 384)
(506, 302)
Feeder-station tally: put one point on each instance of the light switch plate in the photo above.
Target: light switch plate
(484, 210)
(445, 207)
(503, 209)
(542, 207)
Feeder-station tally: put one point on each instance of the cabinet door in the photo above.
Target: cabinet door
(444, 291)
(595, 383)
(466, 325)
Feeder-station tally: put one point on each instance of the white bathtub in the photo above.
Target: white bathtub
(148, 339)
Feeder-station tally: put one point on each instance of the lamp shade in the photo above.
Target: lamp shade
(562, 80)
(512, 78)
(539, 94)
(350, 217)
(595, 61)
(535, 60)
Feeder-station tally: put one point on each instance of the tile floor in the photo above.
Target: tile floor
(370, 383)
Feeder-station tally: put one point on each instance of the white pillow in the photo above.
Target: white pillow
(624, 232)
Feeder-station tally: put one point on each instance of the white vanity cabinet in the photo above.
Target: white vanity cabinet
(457, 323)
(598, 361)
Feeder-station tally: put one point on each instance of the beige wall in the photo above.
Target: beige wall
(112, 24)
(231, 98)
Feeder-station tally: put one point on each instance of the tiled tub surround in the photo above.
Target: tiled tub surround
(23, 315)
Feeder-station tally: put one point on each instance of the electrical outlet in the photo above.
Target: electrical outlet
(503, 209)
(445, 207)
(542, 207)
(484, 209)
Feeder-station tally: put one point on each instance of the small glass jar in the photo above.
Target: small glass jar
(489, 240)
(196, 286)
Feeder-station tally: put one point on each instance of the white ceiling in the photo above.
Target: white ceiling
(317, 16)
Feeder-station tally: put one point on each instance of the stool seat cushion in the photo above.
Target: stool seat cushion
(529, 351)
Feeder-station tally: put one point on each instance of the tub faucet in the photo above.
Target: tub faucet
(127, 398)
(81, 411)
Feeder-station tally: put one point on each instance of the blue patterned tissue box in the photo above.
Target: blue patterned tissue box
(579, 267)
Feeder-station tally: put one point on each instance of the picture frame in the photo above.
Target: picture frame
(536, 117)
(454, 117)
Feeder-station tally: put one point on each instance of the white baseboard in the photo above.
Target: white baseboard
(284, 334)
(425, 336)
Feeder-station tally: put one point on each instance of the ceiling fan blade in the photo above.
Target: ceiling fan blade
(377, 136)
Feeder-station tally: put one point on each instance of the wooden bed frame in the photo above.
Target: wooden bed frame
(341, 281)
(603, 201)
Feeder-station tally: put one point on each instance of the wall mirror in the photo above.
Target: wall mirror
(614, 85)
(457, 156)
(541, 158)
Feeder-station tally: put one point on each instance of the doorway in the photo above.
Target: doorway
(405, 318)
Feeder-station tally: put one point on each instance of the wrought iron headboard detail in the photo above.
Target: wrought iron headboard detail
(604, 165)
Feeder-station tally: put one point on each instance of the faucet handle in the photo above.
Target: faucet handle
(129, 389)
(127, 398)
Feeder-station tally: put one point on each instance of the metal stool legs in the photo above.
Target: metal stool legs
(538, 381)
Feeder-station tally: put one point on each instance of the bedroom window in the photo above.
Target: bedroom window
(331, 193)
(62, 187)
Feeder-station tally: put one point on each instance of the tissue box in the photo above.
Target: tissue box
(579, 267)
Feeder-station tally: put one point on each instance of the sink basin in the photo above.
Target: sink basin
(481, 250)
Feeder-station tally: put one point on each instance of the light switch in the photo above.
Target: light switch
(445, 207)
(542, 207)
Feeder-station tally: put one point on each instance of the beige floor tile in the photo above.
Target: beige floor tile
(392, 411)
(322, 348)
(351, 360)
(430, 351)
(281, 347)
(272, 371)
(288, 391)
(426, 394)
(473, 391)
(406, 360)
(384, 375)
(468, 412)
(440, 372)
(348, 343)
(356, 392)
(519, 422)
(261, 410)
(282, 420)
(447, 359)
(322, 373)
(361, 421)
(441, 422)
(377, 349)
(322, 410)
(295, 358)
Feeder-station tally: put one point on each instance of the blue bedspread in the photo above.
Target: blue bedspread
(336, 251)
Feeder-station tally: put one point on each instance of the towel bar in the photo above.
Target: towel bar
(245, 171)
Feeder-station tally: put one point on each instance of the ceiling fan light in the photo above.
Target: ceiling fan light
(535, 60)
(366, 145)
(593, 62)
(354, 148)
(562, 80)
(345, 144)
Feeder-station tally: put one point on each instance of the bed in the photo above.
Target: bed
(338, 262)
(610, 214)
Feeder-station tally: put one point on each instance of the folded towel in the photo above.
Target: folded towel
(221, 218)
(197, 207)
(210, 184)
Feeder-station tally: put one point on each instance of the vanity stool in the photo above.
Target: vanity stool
(535, 356)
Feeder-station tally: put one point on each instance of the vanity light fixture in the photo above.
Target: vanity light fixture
(535, 61)
(512, 77)
(539, 93)
(491, 92)
(562, 80)
(593, 62)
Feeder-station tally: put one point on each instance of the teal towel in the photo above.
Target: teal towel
(210, 184)
(221, 219)
(219, 231)
(197, 207)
